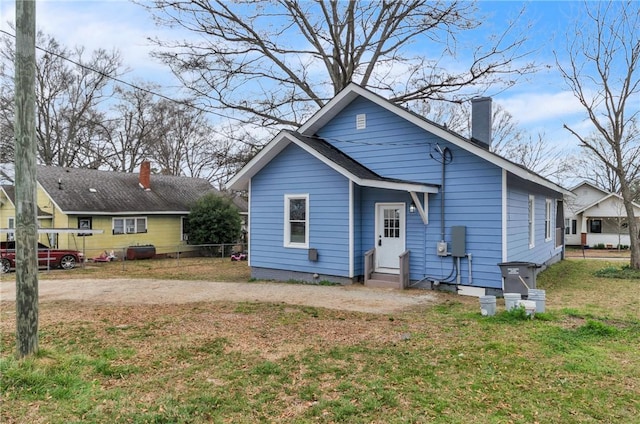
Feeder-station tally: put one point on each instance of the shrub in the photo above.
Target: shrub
(214, 220)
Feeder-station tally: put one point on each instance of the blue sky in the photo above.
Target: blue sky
(540, 103)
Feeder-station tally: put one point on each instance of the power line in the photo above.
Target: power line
(184, 103)
(121, 81)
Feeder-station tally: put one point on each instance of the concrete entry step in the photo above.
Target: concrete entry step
(379, 280)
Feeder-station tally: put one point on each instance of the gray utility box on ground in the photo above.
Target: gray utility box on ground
(519, 277)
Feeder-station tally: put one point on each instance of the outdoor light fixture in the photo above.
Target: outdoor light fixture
(412, 208)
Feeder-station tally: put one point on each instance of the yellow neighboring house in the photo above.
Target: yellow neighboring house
(131, 209)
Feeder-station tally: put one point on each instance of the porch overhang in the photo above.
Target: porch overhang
(413, 188)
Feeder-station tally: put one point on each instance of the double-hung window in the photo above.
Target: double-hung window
(548, 210)
(129, 225)
(296, 220)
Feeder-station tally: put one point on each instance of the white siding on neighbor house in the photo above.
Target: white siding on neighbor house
(599, 205)
(296, 172)
(585, 195)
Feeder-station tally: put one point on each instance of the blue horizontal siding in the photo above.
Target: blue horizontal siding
(518, 225)
(294, 171)
(394, 148)
(388, 144)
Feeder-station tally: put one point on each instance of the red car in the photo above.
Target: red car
(47, 257)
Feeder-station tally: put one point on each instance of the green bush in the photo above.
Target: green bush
(214, 219)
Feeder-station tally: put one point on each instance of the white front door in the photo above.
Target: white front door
(390, 236)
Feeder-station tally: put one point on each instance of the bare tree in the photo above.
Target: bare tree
(185, 143)
(7, 119)
(129, 130)
(589, 167)
(507, 138)
(276, 62)
(601, 68)
(181, 137)
(70, 86)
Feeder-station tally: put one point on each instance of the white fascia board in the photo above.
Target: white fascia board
(7, 196)
(240, 181)
(125, 213)
(604, 199)
(585, 182)
(421, 188)
(53, 202)
(352, 91)
(332, 108)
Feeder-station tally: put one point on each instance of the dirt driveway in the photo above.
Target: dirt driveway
(140, 291)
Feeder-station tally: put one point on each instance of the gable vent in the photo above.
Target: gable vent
(361, 121)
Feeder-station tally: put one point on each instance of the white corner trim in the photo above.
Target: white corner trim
(505, 216)
(249, 223)
(351, 230)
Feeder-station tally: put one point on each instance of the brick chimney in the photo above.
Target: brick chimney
(481, 117)
(145, 175)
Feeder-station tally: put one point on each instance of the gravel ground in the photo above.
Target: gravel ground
(136, 291)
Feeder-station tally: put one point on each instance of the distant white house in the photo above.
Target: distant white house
(596, 217)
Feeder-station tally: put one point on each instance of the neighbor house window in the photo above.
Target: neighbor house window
(131, 225)
(184, 229)
(85, 223)
(548, 210)
(532, 221)
(595, 226)
(574, 226)
(11, 225)
(296, 220)
(567, 226)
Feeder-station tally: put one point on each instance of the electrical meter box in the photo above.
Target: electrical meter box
(458, 241)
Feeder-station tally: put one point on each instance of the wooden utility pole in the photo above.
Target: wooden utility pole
(25, 180)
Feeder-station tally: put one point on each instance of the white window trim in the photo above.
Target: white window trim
(124, 225)
(548, 212)
(532, 221)
(287, 227)
(11, 224)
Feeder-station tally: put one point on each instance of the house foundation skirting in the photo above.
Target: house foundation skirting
(307, 277)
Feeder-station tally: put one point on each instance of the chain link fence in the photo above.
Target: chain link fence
(165, 256)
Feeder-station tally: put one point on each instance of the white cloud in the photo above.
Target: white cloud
(107, 24)
(531, 108)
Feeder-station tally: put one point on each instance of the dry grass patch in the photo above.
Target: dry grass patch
(270, 362)
(212, 269)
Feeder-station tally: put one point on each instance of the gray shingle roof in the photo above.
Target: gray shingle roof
(95, 191)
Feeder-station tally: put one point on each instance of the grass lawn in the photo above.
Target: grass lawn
(253, 362)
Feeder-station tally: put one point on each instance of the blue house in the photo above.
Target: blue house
(369, 191)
